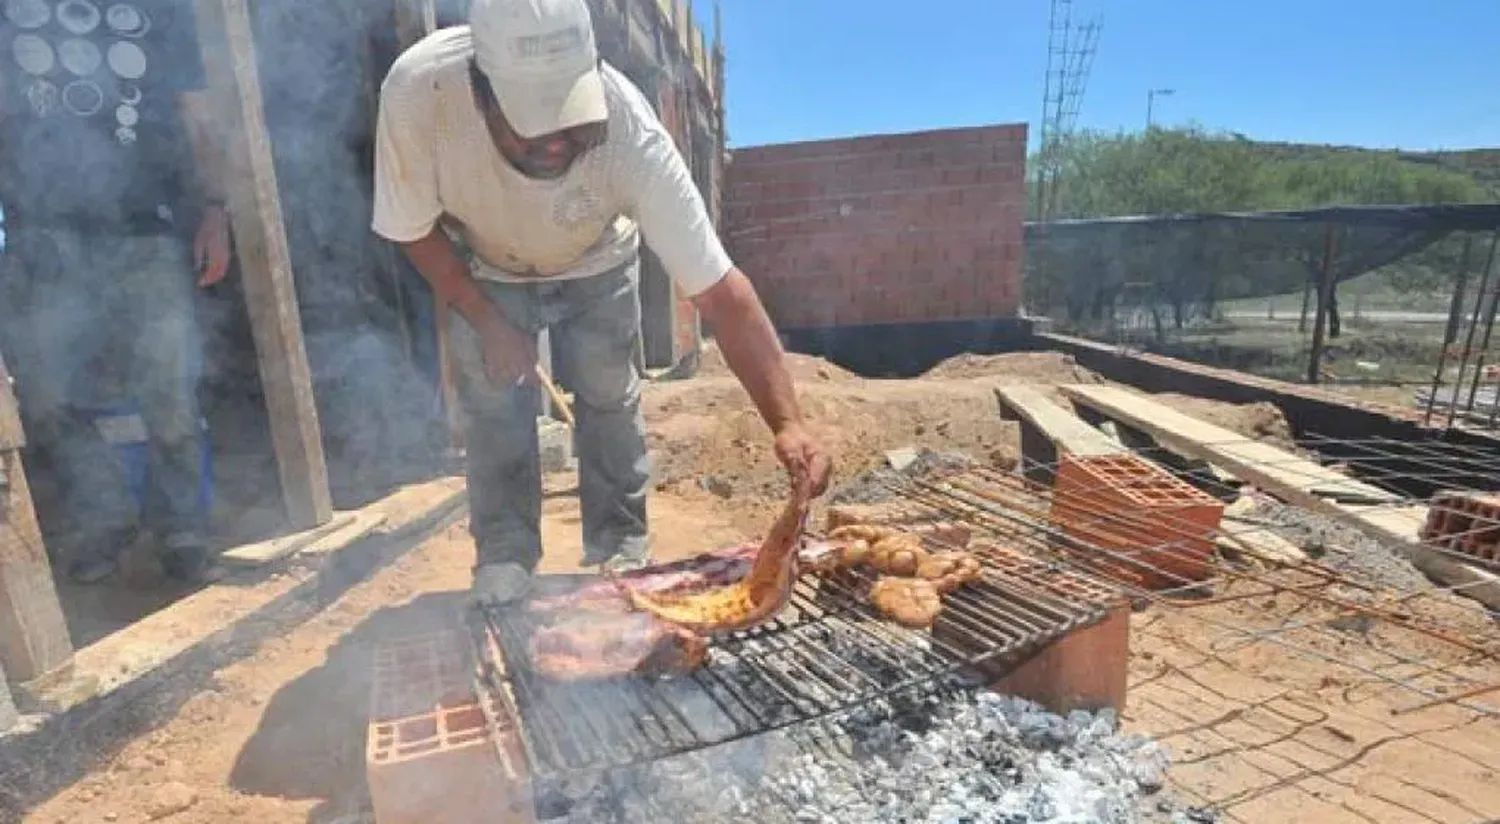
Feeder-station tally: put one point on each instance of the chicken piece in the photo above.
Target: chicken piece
(888, 550)
(950, 570)
(596, 646)
(900, 554)
(871, 533)
(910, 602)
(754, 599)
(829, 557)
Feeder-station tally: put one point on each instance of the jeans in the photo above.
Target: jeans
(595, 324)
(85, 309)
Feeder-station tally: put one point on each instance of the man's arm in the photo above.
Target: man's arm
(437, 259)
(654, 182)
(211, 241)
(751, 347)
(754, 354)
(209, 157)
(509, 354)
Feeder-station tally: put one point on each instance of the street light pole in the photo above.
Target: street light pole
(1151, 100)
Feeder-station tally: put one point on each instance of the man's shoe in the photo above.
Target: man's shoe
(91, 570)
(624, 561)
(496, 585)
(186, 558)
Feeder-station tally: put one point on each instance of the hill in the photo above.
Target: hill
(1482, 165)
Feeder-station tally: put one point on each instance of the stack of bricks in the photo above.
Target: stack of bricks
(437, 752)
(1468, 522)
(1156, 530)
(882, 229)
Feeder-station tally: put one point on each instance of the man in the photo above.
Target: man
(554, 164)
(102, 113)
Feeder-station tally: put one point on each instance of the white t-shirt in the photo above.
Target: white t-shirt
(434, 156)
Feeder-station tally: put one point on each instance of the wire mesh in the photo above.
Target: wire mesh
(1340, 577)
(828, 652)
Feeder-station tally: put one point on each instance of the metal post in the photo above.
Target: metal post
(1307, 291)
(1463, 363)
(1455, 317)
(1325, 288)
(1489, 318)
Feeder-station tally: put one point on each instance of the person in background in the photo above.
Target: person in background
(554, 165)
(114, 201)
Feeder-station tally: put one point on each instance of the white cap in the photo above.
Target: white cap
(542, 61)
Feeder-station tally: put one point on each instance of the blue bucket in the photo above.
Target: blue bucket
(122, 427)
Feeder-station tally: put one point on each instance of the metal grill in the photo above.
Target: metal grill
(827, 653)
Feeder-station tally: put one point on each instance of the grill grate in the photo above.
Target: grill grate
(827, 653)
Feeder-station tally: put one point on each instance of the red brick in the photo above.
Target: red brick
(910, 218)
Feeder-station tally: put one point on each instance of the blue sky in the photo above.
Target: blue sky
(1389, 73)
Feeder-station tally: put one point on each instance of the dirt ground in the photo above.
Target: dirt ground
(1267, 736)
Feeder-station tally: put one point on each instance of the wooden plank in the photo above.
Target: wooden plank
(362, 525)
(150, 643)
(1293, 479)
(274, 549)
(34, 639)
(265, 263)
(1059, 425)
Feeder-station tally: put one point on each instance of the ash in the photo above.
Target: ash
(1343, 548)
(960, 754)
(879, 484)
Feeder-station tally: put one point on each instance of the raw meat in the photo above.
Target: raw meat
(596, 646)
(756, 598)
(710, 569)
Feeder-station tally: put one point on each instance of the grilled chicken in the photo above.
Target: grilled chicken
(912, 579)
(911, 602)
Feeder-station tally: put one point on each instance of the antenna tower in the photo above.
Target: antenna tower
(1070, 59)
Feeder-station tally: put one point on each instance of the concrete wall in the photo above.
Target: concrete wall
(893, 229)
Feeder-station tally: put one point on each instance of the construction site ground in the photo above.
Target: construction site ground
(1255, 732)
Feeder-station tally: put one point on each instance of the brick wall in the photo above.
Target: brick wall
(882, 229)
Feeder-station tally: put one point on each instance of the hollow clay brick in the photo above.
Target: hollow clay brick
(1159, 529)
(432, 756)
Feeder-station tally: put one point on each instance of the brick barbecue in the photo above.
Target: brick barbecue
(495, 739)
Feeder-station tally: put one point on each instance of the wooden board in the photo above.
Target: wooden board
(265, 263)
(34, 639)
(1069, 432)
(363, 524)
(274, 549)
(1293, 479)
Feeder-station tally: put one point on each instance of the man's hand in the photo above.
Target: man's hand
(509, 353)
(749, 343)
(211, 246)
(804, 457)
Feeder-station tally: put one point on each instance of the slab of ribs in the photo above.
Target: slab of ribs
(656, 622)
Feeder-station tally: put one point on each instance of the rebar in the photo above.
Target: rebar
(1020, 516)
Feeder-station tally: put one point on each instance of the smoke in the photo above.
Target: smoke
(362, 308)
